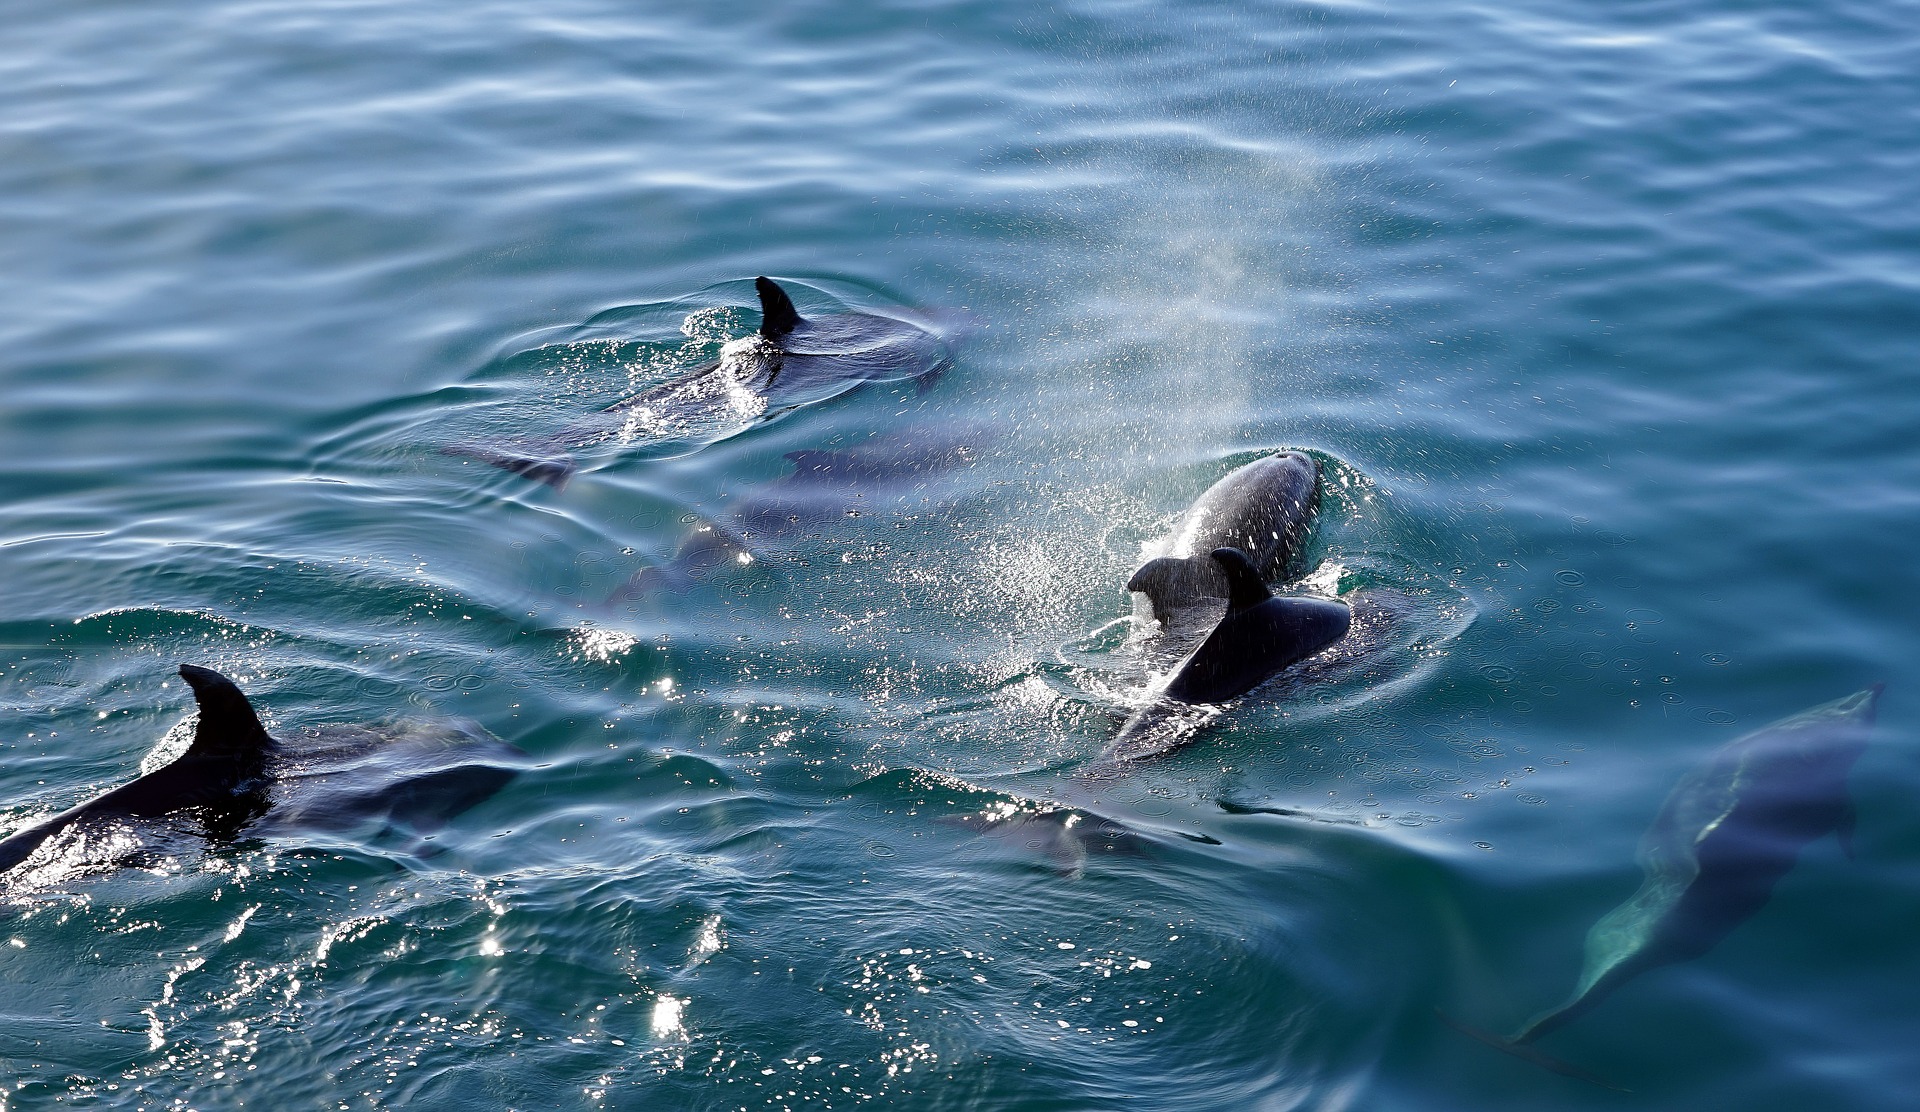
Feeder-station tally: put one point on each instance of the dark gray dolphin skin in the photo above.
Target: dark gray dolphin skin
(791, 361)
(234, 772)
(1264, 509)
(1260, 635)
(1726, 835)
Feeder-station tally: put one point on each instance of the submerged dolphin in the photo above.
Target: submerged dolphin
(888, 472)
(1264, 509)
(1066, 829)
(234, 773)
(1728, 833)
(791, 361)
(1260, 635)
(1069, 838)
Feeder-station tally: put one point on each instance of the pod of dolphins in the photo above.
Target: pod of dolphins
(1726, 835)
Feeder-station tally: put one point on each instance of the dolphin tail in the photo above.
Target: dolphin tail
(552, 470)
(228, 726)
(777, 314)
(1528, 1053)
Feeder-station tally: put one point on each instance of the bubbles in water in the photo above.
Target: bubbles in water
(599, 644)
(1325, 579)
(715, 324)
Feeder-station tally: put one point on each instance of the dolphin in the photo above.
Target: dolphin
(234, 773)
(1260, 635)
(1264, 509)
(1065, 829)
(791, 361)
(1067, 839)
(1726, 835)
(884, 473)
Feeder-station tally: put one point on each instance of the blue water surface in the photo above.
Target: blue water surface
(1602, 320)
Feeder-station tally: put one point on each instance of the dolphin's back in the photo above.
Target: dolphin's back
(1249, 646)
(1259, 636)
(186, 782)
(1263, 509)
(19, 846)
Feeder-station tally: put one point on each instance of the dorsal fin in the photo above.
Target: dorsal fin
(777, 314)
(228, 726)
(1243, 582)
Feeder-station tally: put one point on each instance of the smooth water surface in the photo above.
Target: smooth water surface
(1601, 320)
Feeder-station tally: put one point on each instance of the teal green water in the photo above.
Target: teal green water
(1602, 320)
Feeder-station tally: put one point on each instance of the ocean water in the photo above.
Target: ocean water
(1603, 321)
